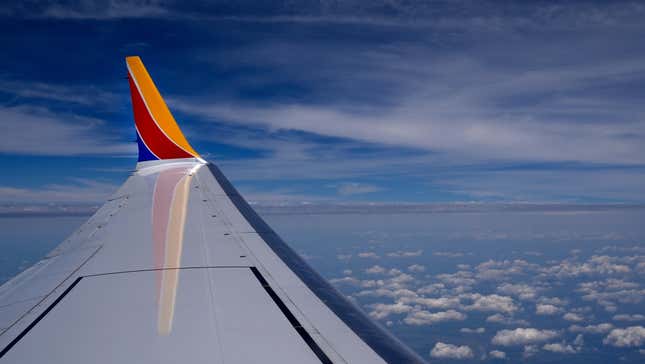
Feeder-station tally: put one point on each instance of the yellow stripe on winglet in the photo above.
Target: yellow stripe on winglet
(157, 105)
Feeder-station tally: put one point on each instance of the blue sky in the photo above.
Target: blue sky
(334, 101)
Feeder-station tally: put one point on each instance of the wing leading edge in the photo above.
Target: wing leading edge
(177, 266)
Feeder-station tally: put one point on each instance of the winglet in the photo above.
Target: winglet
(158, 134)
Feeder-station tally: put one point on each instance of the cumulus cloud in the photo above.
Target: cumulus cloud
(609, 285)
(640, 267)
(592, 329)
(596, 265)
(600, 278)
(449, 351)
(432, 288)
(493, 270)
(632, 336)
(491, 303)
(400, 279)
(557, 301)
(416, 268)
(530, 350)
(427, 318)
(371, 283)
(376, 269)
(346, 280)
(498, 318)
(368, 255)
(394, 272)
(546, 309)
(449, 254)
(561, 348)
(523, 336)
(401, 293)
(571, 316)
(521, 291)
(479, 330)
(608, 297)
(579, 341)
(441, 302)
(496, 354)
(383, 310)
(460, 278)
(405, 254)
(625, 317)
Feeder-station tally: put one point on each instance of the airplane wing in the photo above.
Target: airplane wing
(176, 267)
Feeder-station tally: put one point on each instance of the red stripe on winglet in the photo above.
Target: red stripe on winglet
(154, 138)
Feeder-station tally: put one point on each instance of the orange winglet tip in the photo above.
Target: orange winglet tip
(158, 135)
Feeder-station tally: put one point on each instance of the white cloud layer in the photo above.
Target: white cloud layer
(496, 354)
(479, 330)
(76, 191)
(38, 131)
(571, 316)
(375, 269)
(561, 348)
(521, 291)
(626, 317)
(493, 302)
(523, 336)
(546, 309)
(382, 310)
(632, 336)
(449, 351)
(417, 268)
(592, 329)
(427, 318)
(404, 254)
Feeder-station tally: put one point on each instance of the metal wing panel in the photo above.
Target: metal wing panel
(120, 318)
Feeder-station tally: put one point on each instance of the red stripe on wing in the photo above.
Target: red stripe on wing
(154, 138)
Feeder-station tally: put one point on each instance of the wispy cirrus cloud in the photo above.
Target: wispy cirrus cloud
(83, 95)
(455, 15)
(39, 131)
(87, 10)
(477, 113)
(353, 188)
(457, 113)
(485, 101)
(75, 191)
